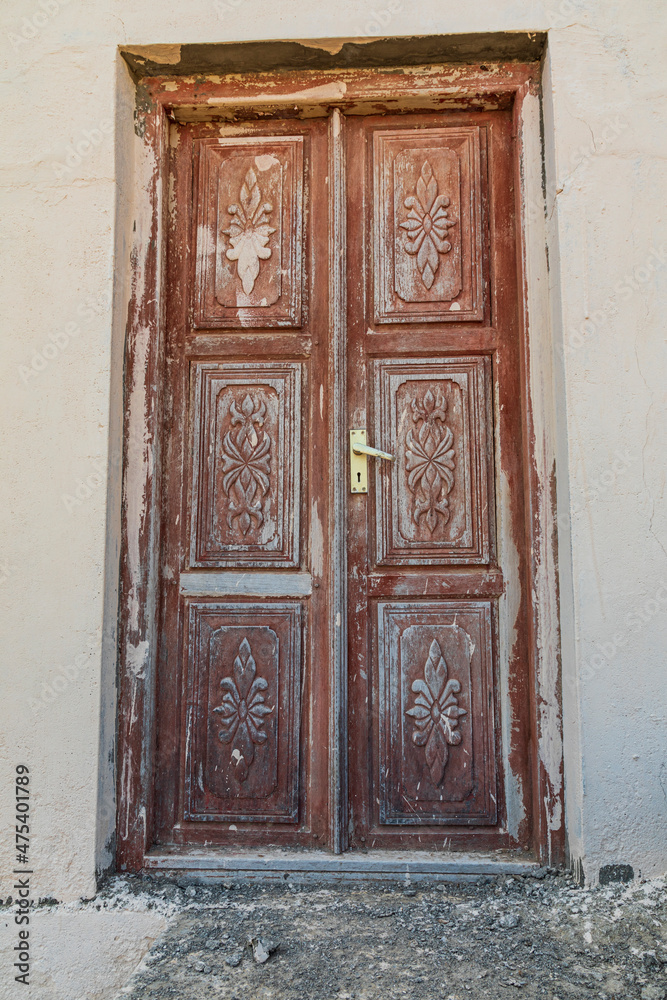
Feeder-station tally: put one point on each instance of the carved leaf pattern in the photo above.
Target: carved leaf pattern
(243, 710)
(427, 225)
(249, 231)
(429, 459)
(246, 458)
(436, 713)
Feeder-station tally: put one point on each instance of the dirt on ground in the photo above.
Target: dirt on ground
(504, 937)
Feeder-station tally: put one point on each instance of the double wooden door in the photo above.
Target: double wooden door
(343, 664)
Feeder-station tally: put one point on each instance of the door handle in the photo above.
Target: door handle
(359, 452)
(364, 449)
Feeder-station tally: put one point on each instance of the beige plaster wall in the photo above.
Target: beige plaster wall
(64, 97)
(80, 953)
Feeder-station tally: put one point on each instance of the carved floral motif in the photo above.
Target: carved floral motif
(429, 459)
(246, 458)
(249, 231)
(427, 225)
(436, 713)
(243, 709)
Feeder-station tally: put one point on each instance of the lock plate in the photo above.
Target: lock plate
(358, 463)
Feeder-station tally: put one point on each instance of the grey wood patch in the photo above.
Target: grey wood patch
(230, 584)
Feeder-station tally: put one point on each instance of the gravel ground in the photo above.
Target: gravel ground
(495, 938)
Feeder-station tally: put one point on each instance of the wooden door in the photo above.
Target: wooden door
(438, 625)
(261, 740)
(243, 679)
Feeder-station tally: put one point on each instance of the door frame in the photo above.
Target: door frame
(169, 96)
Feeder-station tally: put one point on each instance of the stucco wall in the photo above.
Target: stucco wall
(65, 96)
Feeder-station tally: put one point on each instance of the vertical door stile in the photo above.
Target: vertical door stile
(337, 457)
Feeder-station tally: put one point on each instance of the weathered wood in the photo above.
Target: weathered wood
(338, 556)
(435, 706)
(337, 387)
(432, 505)
(249, 231)
(141, 528)
(243, 713)
(246, 456)
(427, 225)
(249, 584)
(235, 346)
(457, 582)
(445, 178)
(246, 486)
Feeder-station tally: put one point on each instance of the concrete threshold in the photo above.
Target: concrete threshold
(275, 864)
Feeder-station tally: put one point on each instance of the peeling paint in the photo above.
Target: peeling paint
(509, 607)
(326, 92)
(170, 55)
(136, 658)
(316, 542)
(544, 445)
(334, 45)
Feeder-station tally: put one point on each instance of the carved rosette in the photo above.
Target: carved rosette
(436, 713)
(246, 457)
(249, 231)
(427, 225)
(242, 710)
(429, 459)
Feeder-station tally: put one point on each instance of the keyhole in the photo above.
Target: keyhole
(358, 477)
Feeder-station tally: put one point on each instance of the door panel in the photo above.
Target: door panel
(435, 701)
(427, 236)
(249, 231)
(246, 476)
(243, 713)
(432, 504)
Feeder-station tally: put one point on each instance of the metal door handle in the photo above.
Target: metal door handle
(364, 449)
(359, 452)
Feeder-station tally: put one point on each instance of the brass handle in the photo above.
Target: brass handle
(364, 449)
(359, 452)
